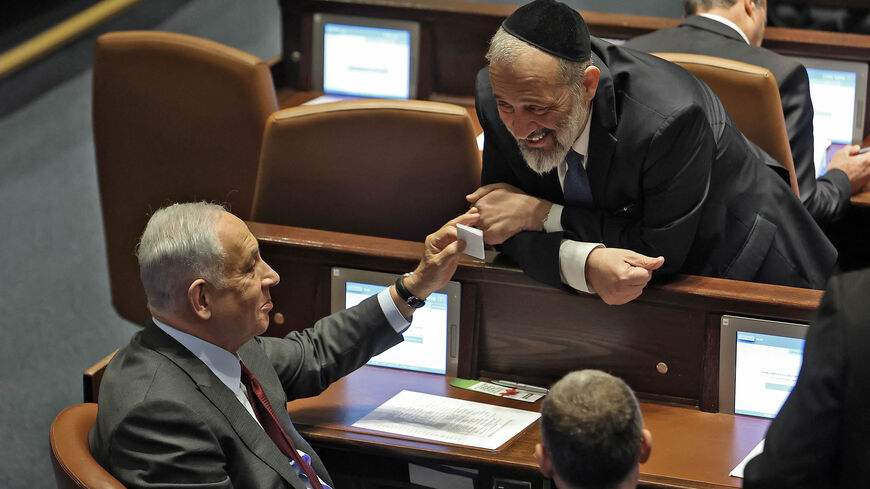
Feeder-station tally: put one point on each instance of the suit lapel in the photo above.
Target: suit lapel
(254, 358)
(248, 430)
(602, 141)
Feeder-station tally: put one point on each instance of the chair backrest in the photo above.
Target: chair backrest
(92, 377)
(74, 467)
(751, 95)
(391, 168)
(176, 118)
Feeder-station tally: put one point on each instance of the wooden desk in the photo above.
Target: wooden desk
(665, 344)
(690, 448)
(861, 199)
(856, 4)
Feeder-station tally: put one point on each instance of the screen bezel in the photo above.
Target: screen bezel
(340, 276)
(860, 69)
(319, 21)
(729, 327)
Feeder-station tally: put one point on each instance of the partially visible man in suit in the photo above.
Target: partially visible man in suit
(588, 143)
(819, 437)
(197, 398)
(592, 434)
(734, 29)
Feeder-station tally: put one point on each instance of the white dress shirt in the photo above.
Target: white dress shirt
(572, 254)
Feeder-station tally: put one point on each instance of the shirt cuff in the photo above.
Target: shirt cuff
(391, 312)
(572, 263)
(553, 222)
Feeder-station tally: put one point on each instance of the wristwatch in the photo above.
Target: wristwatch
(406, 295)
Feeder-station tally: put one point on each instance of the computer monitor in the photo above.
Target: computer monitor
(759, 362)
(365, 56)
(839, 93)
(431, 342)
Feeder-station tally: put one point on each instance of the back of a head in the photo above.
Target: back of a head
(700, 6)
(695, 6)
(179, 244)
(592, 427)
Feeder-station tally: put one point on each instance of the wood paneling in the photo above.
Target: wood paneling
(520, 329)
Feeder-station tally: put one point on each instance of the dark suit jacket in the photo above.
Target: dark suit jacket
(165, 420)
(819, 437)
(670, 175)
(825, 198)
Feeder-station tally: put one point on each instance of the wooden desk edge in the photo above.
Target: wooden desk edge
(707, 289)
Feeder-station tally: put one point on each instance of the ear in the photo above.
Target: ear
(747, 6)
(199, 300)
(542, 455)
(646, 442)
(590, 81)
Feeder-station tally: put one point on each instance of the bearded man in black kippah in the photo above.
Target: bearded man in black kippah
(592, 150)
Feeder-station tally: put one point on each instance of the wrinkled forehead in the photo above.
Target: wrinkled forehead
(527, 60)
(234, 235)
(532, 75)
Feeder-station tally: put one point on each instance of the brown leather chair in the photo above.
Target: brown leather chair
(751, 95)
(74, 467)
(176, 118)
(395, 169)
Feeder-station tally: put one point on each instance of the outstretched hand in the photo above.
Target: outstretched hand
(441, 252)
(619, 276)
(506, 210)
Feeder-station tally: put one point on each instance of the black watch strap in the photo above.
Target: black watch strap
(406, 294)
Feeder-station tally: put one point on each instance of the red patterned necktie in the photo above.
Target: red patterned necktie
(273, 428)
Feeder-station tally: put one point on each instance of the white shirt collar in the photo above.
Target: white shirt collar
(719, 18)
(223, 364)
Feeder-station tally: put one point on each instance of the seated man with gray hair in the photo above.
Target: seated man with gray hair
(592, 433)
(197, 398)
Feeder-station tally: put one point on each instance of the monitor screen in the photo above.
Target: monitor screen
(431, 342)
(838, 90)
(767, 368)
(759, 362)
(365, 57)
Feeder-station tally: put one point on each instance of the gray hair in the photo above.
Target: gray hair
(179, 245)
(591, 424)
(505, 48)
(694, 6)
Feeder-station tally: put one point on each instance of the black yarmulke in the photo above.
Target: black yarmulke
(552, 27)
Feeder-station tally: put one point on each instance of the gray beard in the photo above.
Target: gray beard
(542, 160)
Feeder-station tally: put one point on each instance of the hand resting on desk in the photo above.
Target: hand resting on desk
(618, 275)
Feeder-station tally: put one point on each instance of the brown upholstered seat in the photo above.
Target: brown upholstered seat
(176, 118)
(74, 467)
(751, 95)
(395, 169)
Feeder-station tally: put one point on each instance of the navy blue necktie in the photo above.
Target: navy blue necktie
(576, 185)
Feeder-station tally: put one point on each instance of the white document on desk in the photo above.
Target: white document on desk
(447, 420)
